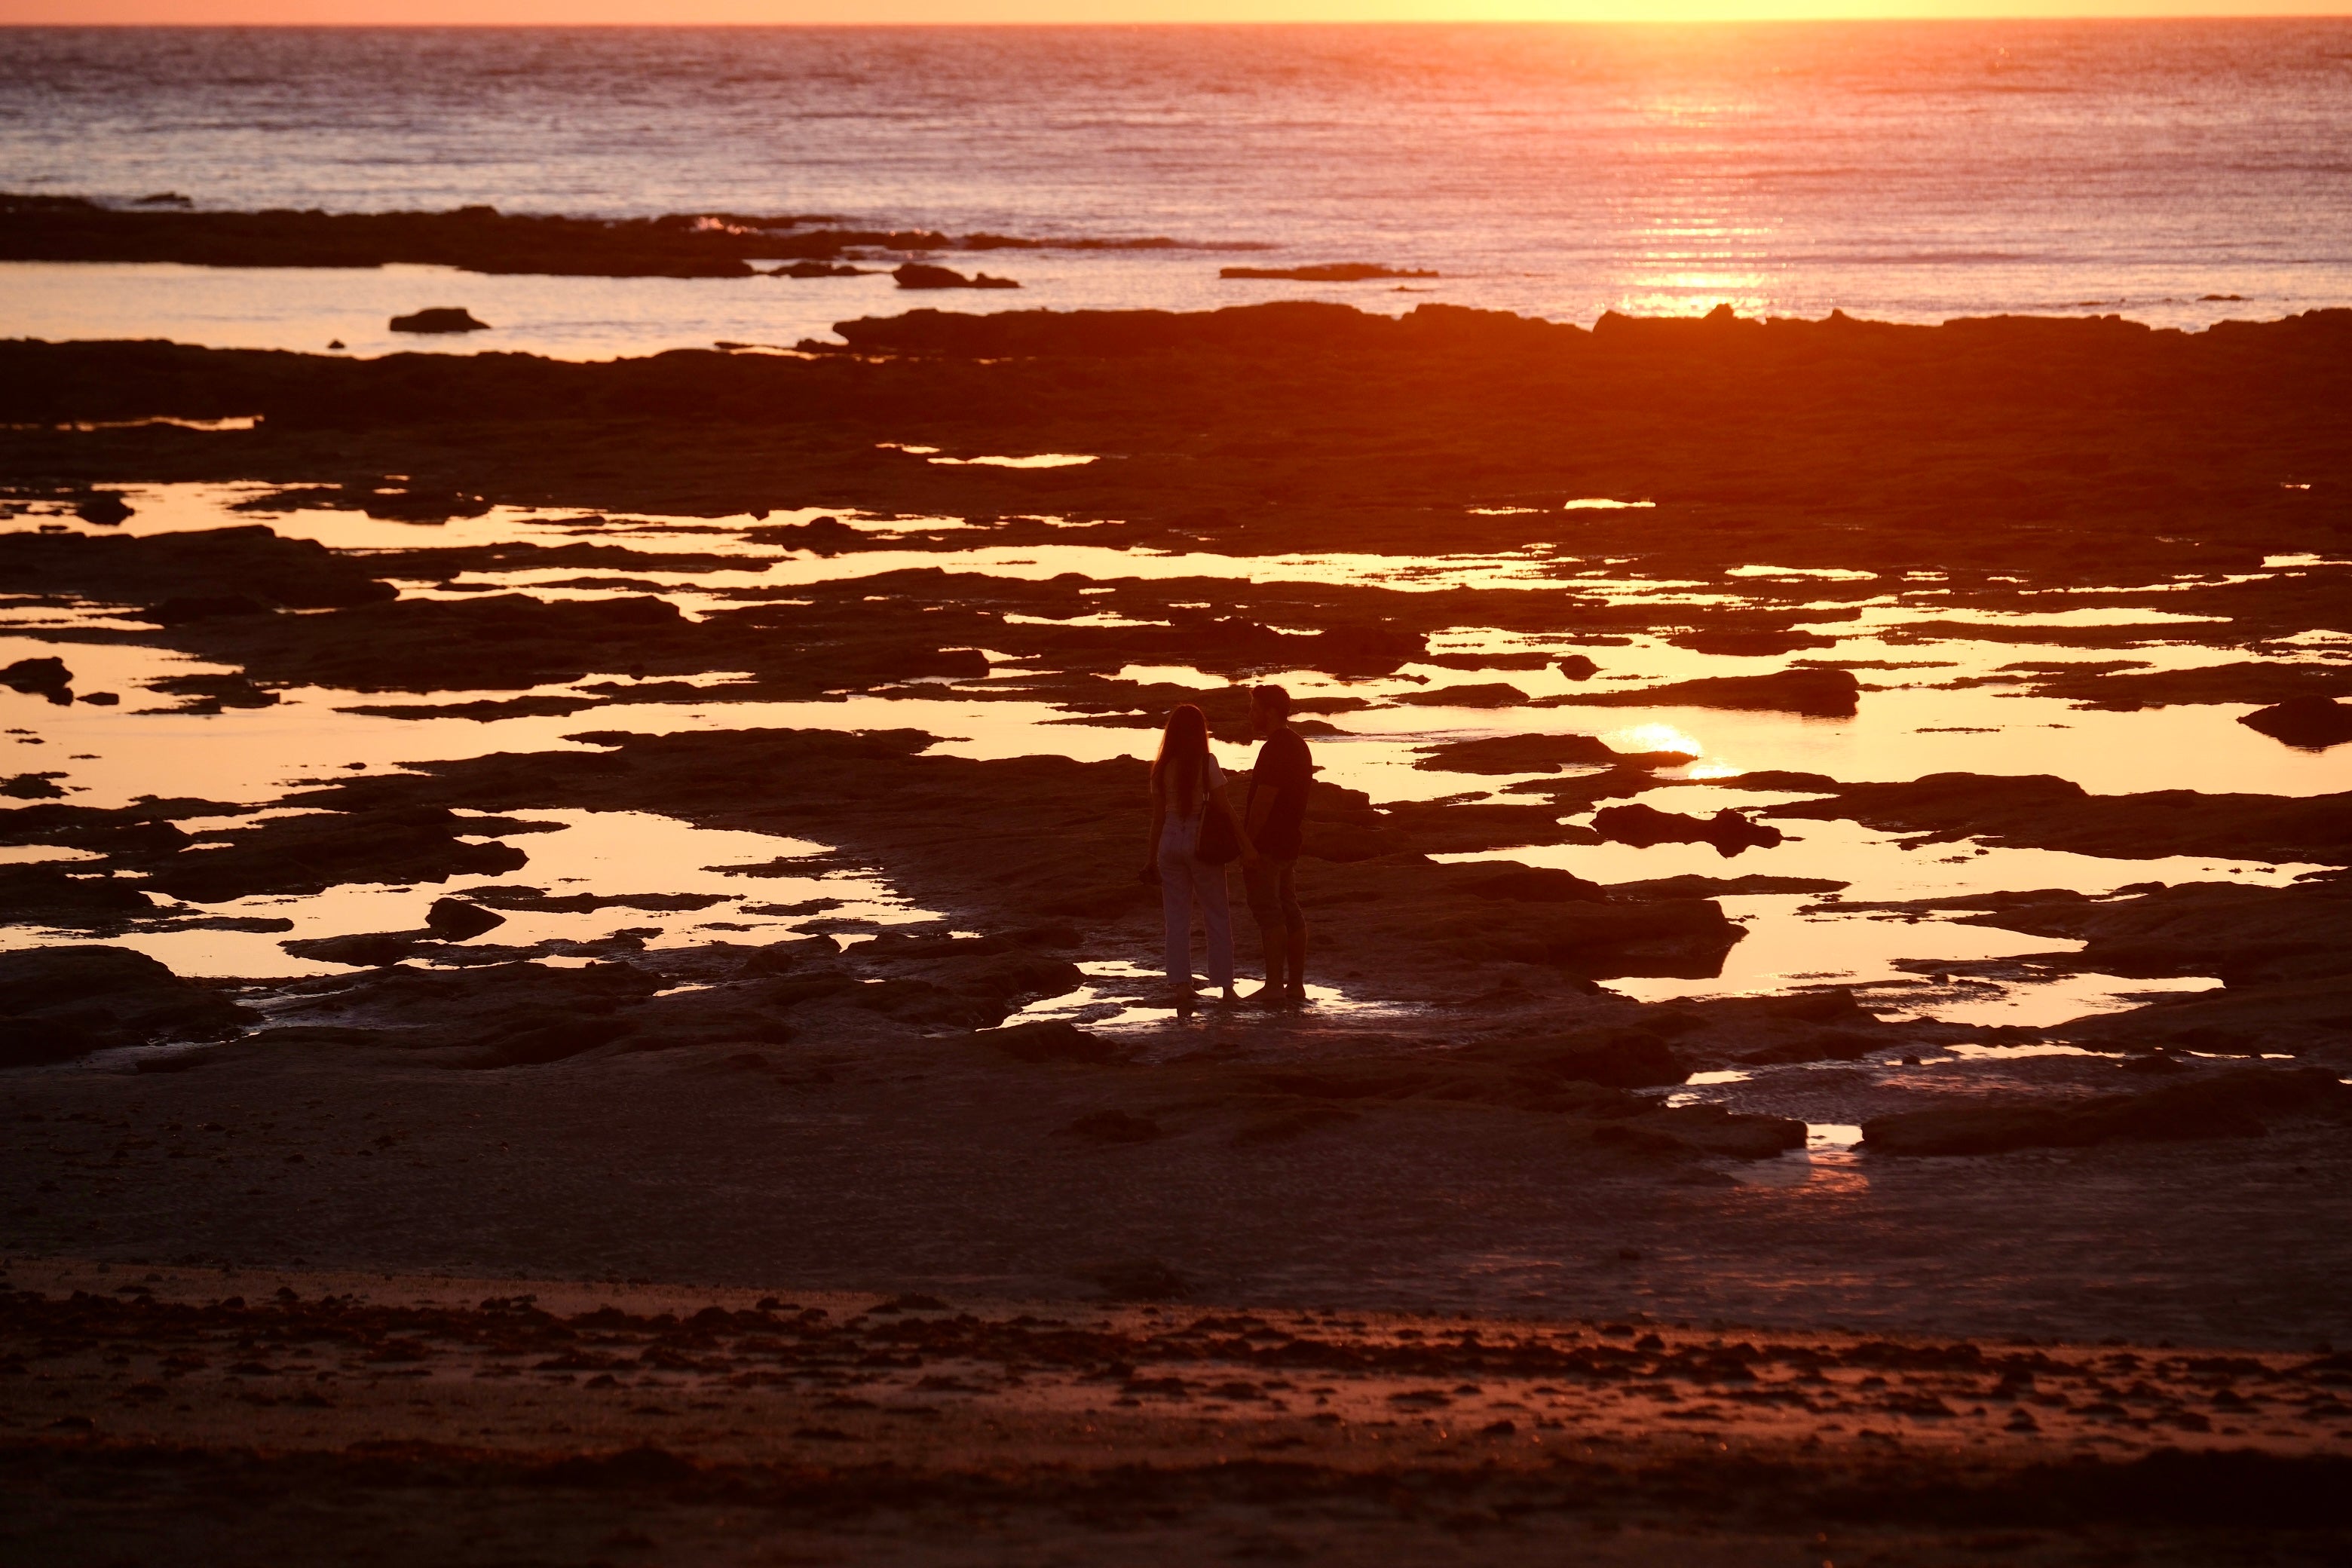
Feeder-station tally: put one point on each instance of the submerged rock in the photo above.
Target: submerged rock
(2314, 722)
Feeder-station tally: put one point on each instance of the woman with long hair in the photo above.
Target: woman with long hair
(1188, 796)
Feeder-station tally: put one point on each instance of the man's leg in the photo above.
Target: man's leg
(1294, 932)
(1261, 882)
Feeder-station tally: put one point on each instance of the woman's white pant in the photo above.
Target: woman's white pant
(1184, 883)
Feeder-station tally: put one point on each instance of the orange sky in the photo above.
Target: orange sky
(348, 12)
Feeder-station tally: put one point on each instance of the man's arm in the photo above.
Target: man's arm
(1261, 806)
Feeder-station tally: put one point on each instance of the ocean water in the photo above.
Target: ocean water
(2176, 172)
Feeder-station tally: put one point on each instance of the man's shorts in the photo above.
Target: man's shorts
(1274, 891)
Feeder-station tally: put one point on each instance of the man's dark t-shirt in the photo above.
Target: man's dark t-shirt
(1285, 770)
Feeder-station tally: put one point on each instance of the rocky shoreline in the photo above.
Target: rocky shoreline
(1487, 1112)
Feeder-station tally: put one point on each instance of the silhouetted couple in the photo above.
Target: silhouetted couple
(1196, 835)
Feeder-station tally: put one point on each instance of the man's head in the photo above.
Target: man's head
(1269, 708)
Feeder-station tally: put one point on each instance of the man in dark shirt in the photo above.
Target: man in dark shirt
(1274, 818)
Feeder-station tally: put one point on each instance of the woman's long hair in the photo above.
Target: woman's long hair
(1177, 771)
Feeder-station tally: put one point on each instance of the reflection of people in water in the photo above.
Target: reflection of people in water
(1188, 795)
(1274, 822)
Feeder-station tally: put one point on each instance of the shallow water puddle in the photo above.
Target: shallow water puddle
(1936, 699)
(600, 855)
(1798, 939)
(1124, 996)
(1829, 1162)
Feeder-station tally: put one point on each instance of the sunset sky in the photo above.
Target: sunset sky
(559, 12)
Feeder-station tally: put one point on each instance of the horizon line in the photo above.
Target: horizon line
(1793, 18)
(1829, 14)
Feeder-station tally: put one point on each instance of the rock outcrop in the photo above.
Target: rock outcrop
(2316, 723)
(2233, 1104)
(59, 1003)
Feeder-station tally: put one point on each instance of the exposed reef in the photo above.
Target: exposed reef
(1833, 443)
(473, 238)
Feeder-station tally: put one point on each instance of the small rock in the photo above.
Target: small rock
(1576, 667)
(364, 950)
(1750, 643)
(1644, 826)
(440, 319)
(102, 698)
(46, 677)
(916, 275)
(454, 920)
(33, 786)
(2316, 723)
(1490, 694)
(105, 509)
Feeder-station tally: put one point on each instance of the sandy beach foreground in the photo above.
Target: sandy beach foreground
(249, 1415)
